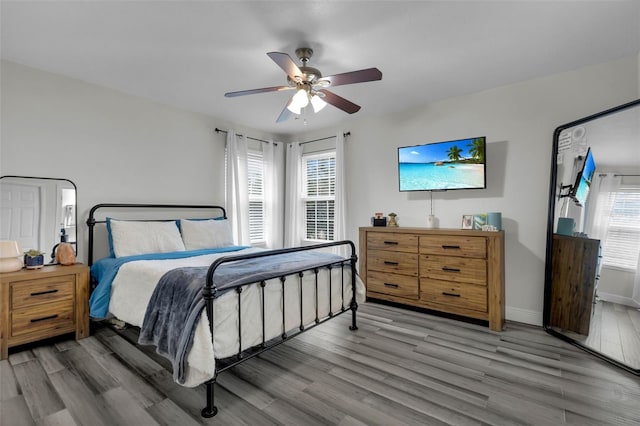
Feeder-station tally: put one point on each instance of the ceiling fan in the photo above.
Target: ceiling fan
(310, 85)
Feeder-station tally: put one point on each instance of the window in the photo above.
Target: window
(622, 243)
(318, 195)
(255, 176)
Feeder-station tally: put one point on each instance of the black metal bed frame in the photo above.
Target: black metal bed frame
(210, 292)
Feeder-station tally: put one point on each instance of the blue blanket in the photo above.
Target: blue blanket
(105, 270)
(176, 304)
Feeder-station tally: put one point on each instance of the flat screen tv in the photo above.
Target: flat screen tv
(580, 189)
(442, 166)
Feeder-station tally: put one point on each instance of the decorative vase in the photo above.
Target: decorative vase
(33, 262)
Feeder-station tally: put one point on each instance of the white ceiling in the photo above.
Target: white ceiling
(189, 53)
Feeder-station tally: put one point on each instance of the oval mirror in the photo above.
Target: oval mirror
(592, 277)
(38, 213)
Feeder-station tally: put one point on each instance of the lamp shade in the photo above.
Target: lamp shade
(318, 103)
(299, 101)
(9, 252)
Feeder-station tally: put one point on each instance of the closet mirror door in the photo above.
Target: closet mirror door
(38, 213)
(592, 288)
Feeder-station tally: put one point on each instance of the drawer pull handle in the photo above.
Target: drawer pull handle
(387, 262)
(391, 243)
(391, 285)
(449, 269)
(447, 247)
(450, 294)
(44, 318)
(40, 293)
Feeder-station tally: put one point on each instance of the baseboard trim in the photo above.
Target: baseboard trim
(524, 315)
(609, 297)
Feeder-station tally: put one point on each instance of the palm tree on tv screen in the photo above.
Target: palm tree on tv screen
(454, 153)
(476, 149)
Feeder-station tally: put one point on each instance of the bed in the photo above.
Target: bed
(207, 305)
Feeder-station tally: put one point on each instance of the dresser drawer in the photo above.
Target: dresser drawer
(394, 262)
(453, 245)
(35, 292)
(458, 269)
(51, 316)
(393, 284)
(459, 295)
(405, 243)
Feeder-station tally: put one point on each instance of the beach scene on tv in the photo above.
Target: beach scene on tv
(456, 164)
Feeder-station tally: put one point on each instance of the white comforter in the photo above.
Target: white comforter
(133, 286)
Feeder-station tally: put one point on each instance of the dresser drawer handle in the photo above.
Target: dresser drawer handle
(391, 243)
(447, 247)
(391, 285)
(387, 262)
(40, 293)
(450, 294)
(44, 318)
(449, 269)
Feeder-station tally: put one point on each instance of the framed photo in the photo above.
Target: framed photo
(479, 220)
(467, 221)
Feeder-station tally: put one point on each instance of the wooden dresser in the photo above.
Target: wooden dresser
(448, 270)
(42, 303)
(574, 277)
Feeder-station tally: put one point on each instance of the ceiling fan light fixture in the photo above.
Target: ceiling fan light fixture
(298, 101)
(318, 103)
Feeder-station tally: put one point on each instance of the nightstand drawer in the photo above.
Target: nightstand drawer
(51, 316)
(458, 269)
(453, 245)
(391, 241)
(466, 296)
(35, 292)
(393, 284)
(394, 262)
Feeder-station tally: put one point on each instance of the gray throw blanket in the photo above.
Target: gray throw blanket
(176, 304)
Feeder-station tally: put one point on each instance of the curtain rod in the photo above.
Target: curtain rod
(248, 137)
(300, 143)
(324, 139)
(618, 174)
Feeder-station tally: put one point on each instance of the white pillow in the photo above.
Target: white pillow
(206, 234)
(131, 237)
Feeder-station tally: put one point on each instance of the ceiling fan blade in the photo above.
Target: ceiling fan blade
(285, 114)
(369, 74)
(285, 62)
(254, 91)
(339, 102)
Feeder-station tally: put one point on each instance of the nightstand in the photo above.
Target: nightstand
(42, 303)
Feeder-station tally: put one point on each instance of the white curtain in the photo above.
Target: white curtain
(340, 215)
(237, 192)
(272, 154)
(293, 202)
(600, 211)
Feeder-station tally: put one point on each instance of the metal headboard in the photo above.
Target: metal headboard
(92, 222)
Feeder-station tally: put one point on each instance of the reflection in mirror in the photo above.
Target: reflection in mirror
(38, 213)
(592, 289)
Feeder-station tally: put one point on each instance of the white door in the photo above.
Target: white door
(20, 214)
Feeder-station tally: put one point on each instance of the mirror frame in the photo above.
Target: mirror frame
(75, 244)
(550, 226)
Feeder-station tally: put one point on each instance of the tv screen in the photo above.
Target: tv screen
(580, 190)
(458, 164)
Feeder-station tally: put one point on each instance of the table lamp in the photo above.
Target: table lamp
(9, 256)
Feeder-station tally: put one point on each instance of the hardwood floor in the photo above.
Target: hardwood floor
(614, 331)
(400, 367)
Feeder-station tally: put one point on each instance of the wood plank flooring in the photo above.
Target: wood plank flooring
(400, 367)
(614, 331)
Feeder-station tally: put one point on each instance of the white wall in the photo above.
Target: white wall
(118, 148)
(518, 121)
(114, 147)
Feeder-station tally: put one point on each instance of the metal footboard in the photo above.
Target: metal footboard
(210, 292)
